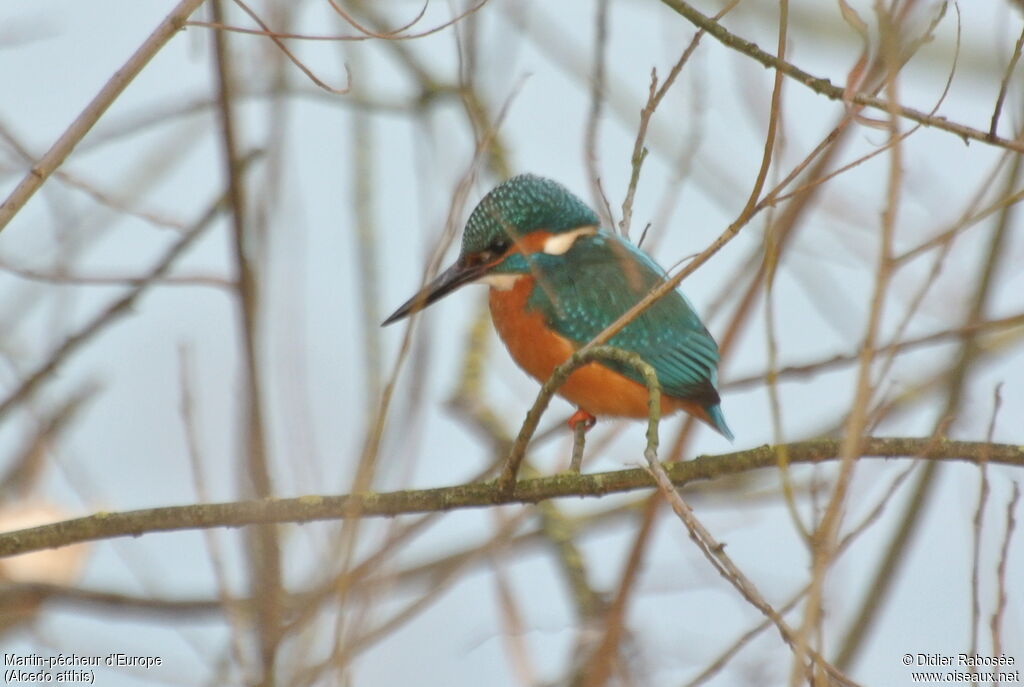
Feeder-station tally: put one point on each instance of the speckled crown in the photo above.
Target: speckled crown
(523, 204)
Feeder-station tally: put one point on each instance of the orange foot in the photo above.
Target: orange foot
(582, 417)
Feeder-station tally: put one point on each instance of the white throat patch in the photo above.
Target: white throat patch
(559, 244)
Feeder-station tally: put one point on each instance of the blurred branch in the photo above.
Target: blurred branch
(594, 116)
(555, 527)
(476, 495)
(115, 202)
(603, 661)
(162, 113)
(264, 548)
(115, 310)
(62, 279)
(816, 367)
(714, 551)
(967, 359)
(825, 536)
(237, 622)
(368, 279)
(21, 473)
(60, 150)
(733, 649)
(120, 604)
(365, 32)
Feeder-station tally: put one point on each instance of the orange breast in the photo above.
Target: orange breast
(538, 350)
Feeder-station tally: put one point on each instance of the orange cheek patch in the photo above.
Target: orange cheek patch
(530, 243)
(538, 350)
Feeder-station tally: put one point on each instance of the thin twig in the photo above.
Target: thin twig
(996, 623)
(826, 88)
(977, 527)
(289, 54)
(1005, 83)
(114, 202)
(365, 33)
(654, 97)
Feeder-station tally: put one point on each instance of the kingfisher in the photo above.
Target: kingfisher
(557, 279)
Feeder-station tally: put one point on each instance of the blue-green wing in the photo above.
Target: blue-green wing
(605, 277)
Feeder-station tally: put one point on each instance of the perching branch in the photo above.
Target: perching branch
(507, 481)
(479, 494)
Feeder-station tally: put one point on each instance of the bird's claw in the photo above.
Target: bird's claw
(582, 417)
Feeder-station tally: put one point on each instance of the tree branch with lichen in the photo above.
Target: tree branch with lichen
(479, 494)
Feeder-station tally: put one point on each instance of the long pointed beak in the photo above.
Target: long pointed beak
(446, 282)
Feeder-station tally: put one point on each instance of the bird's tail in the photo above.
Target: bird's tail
(716, 419)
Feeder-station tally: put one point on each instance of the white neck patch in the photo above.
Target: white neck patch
(559, 244)
(501, 282)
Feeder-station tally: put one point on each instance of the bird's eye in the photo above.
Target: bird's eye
(493, 251)
(489, 254)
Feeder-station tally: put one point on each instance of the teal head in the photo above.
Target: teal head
(525, 215)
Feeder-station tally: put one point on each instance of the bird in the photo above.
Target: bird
(557, 279)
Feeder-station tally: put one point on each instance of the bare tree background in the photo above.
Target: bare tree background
(210, 205)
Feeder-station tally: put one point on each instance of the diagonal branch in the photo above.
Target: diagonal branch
(60, 150)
